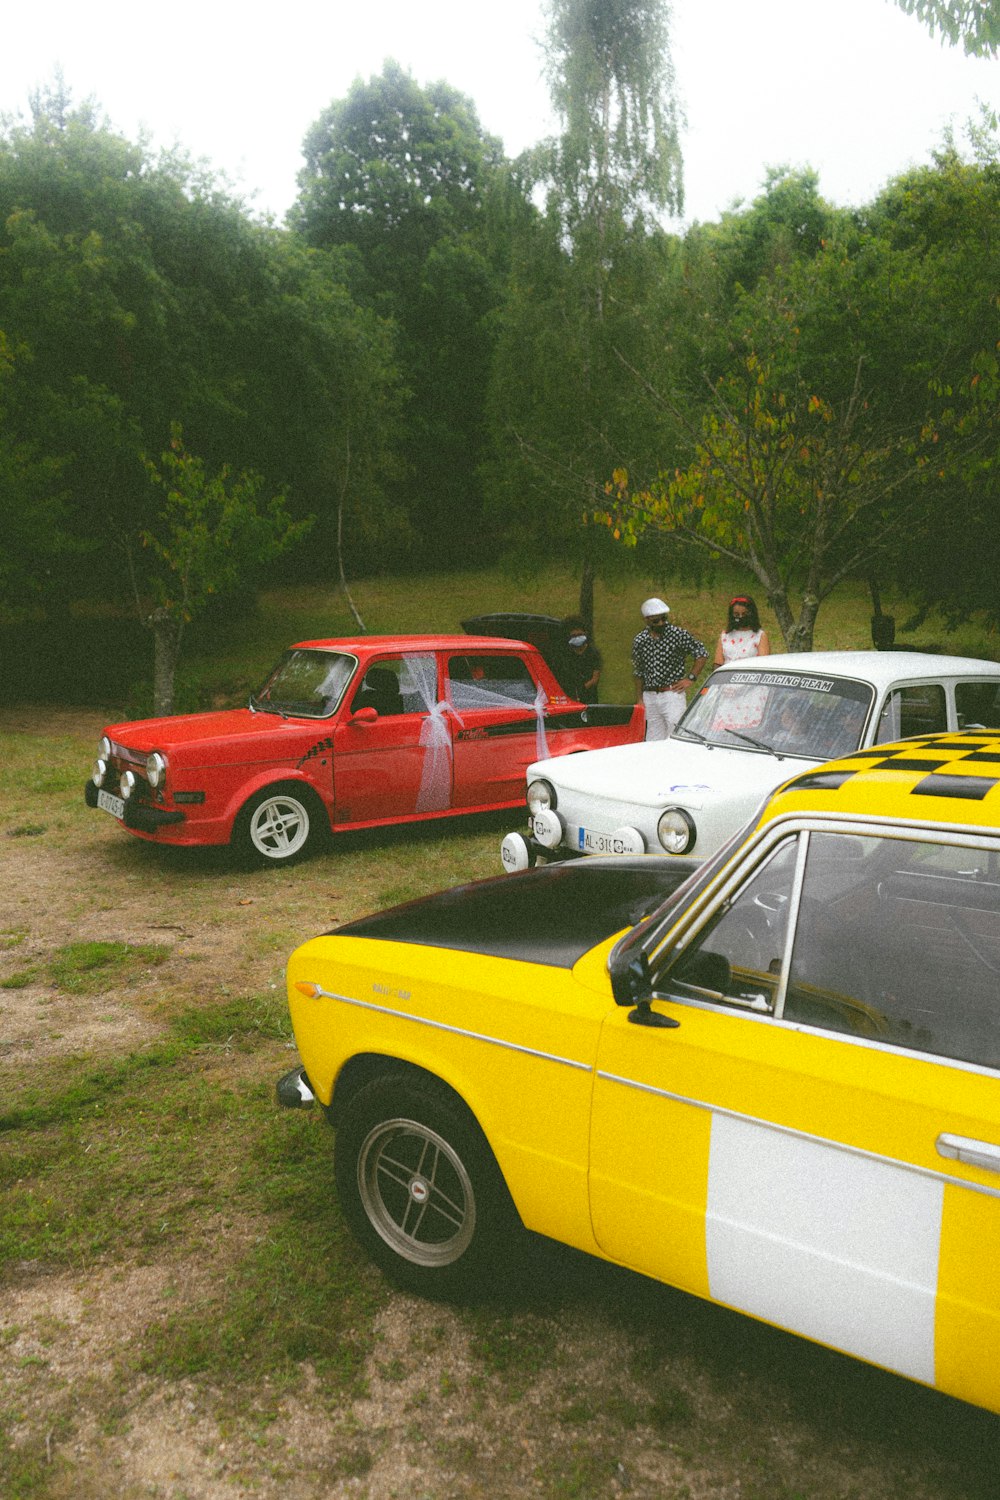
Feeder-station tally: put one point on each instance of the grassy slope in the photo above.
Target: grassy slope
(230, 658)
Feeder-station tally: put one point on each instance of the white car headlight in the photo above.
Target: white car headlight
(547, 828)
(676, 831)
(100, 771)
(104, 748)
(515, 853)
(156, 768)
(127, 784)
(541, 797)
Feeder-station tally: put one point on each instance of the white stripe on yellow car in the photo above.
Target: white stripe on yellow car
(837, 1247)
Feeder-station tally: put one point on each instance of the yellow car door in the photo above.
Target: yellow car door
(816, 1142)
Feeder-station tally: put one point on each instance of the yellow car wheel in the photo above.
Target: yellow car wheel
(419, 1186)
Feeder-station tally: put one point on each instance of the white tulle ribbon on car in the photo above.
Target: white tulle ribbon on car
(470, 696)
(541, 743)
(435, 778)
(419, 682)
(418, 685)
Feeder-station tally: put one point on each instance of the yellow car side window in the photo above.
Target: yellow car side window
(738, 958)
(900, 942)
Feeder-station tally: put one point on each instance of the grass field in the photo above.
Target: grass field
(182, 1314)
(223, 665)
(100, 658)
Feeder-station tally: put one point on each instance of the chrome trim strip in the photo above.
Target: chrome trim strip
(879, 825)
(803, 1135)
(798, 881)
(974, 1153)
(475, 1036)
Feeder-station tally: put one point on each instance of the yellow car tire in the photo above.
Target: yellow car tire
(420, 1188)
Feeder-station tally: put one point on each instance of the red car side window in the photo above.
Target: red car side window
(490, 682)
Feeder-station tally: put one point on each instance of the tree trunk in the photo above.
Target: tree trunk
(340, 542)
(587, 598)
(801, 638)
(166, 646)
(883, 626)
(797, 633)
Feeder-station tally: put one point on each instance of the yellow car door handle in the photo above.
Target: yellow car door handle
(973, 1153)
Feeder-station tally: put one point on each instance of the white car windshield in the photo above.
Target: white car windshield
(305, 684)
(783, 713)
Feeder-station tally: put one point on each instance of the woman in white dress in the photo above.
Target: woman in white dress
(742, 636)
(741, 707)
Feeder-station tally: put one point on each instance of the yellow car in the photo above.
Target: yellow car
(772, 1080)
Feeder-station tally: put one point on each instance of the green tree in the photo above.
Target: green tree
(787, 485)
(211, 536)
(940, 221)
(134, 293)
(33, 504)
(974, 23)
(393, 169)
(401, 176)
(787, 221)
(816, 447)
(612, 84)
(582, 269)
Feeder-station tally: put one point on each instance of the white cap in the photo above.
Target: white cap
(654, 607)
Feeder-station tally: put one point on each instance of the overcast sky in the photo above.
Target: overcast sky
(854, 88)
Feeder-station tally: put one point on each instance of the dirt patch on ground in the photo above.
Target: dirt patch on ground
(429, 1423)
(36, 1024)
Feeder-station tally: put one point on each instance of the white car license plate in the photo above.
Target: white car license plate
(603, 843)
(113, 805)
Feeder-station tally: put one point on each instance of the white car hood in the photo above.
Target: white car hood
(664, 771)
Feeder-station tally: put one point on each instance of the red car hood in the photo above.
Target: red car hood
(234, 734)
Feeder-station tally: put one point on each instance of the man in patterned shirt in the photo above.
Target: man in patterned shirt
(659, 663)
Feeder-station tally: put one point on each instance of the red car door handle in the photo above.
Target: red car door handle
(973, 1153)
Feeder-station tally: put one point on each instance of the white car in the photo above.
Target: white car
(753, 725)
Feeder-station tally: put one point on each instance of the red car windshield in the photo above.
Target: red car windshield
(305, 684)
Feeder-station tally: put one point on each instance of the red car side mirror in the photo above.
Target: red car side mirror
(367, 715)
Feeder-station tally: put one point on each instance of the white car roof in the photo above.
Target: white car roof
(880, 668)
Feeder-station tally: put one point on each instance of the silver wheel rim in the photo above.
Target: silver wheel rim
(416, 1193)
(279, 827)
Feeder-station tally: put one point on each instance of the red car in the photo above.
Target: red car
(350, 734)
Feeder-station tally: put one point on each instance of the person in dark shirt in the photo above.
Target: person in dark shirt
(580, 662)
(659, 666)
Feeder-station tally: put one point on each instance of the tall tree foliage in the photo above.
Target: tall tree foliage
(401, 175)
(844, 415)
(135, 294)
(795, 488)
(33, 503)
(787, 222)
(612, 84)
(580, 270)
(213, 534)
(974, 23)
(941, 220)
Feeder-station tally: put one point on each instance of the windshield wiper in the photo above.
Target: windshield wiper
(757, 744)
(692, 734)
(257, 707)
